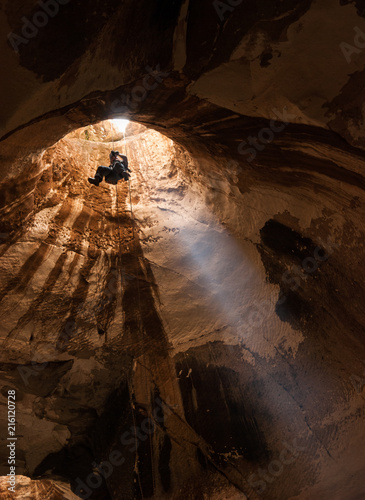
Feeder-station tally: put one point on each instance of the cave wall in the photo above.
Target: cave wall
(243, 311)
(252, 58)
(190, 303)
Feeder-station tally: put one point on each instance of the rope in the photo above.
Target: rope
(139, 305)
(136, 468)
(140, 326)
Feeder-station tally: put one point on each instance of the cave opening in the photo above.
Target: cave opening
(88, 263)
(150, 301)
(198, 332)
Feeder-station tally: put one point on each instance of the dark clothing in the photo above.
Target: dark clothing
(117, 171)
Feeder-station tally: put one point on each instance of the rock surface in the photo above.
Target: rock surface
(37, 490)
(178, 303)
(227, 306)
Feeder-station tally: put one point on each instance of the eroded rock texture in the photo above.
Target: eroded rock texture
(201, 334)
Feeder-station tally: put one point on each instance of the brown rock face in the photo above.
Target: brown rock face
(28, 489)
(197, 333)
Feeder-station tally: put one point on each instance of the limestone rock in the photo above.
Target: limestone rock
(198, 333)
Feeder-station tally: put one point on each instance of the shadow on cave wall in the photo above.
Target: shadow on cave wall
(315, 291)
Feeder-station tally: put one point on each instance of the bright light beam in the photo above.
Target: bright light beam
(121, 124)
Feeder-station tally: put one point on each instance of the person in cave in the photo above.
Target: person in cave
(117, 170)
